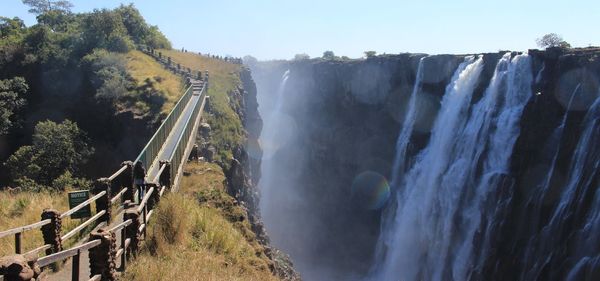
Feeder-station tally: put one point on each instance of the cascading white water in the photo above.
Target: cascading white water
(536, 252)
(407, 128)
(585, 163)
(407, 232)
(271, 139)
(583, 168)
(439, 208)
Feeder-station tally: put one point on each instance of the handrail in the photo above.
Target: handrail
(44, 261)
(177, 157)
(121, 225)
(145, 200)
(157, 178)
(39, 249)
(83, 204)
(187, 123)
(117, 173)
(118, 196)
(165, 128)
(83, 225)
(22, 229)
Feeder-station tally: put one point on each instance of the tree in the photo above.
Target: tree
(249, 60)
(12, 92)
(56, 149)
(105, 29)
(328, 55)
(370, 54)
(552, 40)
(302, 56)
(43, 6)
(58, 21)
(11, 27)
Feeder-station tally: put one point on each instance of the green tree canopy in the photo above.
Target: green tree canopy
(55, 150)
(302, 56)
(12, 92)
(105, 29)
(552, 40)
(43, 6)
(11, 27)
(328, 55)
(370, 54)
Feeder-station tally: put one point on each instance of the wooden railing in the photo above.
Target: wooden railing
(102, 241)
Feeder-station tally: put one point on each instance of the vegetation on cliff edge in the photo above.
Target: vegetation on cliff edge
(200, 233)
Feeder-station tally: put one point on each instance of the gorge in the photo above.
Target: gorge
(441, 167)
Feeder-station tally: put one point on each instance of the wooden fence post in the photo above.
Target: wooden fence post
(102, 257)
(20, 267)
(51, 232)
(103, 203)
(154, 197)
(124, 254)
(131, 231)
(127, 181)
(18, 243)
(165, 177)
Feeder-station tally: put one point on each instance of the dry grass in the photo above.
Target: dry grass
(141, 67)
(224, 78)
(195, 239)
(23, 208)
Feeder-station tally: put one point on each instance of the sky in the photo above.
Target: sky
(279, 29)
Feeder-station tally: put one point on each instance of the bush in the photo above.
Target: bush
(12, 92)
(119, 43)
(328, 55)
(66, 181)
(56, 149)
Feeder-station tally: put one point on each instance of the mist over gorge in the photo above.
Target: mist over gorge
(491, 164)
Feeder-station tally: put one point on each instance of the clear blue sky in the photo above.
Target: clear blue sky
(278, 29)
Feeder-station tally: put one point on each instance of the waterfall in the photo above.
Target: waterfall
(585, 166)
(407, 128)
(441, 199)
(271, 140)
(537, 251)
(583, 169)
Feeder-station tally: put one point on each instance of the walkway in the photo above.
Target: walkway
(166, 152)
(172, 141)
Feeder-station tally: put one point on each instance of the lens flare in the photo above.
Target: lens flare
(370, 190)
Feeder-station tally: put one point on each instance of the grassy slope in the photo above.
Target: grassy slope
(201, 233)
(18, 209)
(226, 127)
(141, 67)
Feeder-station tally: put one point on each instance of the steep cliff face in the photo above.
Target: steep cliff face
(244, 171)
(333, 120)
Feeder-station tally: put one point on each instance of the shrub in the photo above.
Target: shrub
(56, 149)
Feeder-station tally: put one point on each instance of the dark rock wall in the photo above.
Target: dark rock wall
(244, 172)
(346, 117)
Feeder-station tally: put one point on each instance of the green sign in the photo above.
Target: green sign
(76, 198)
